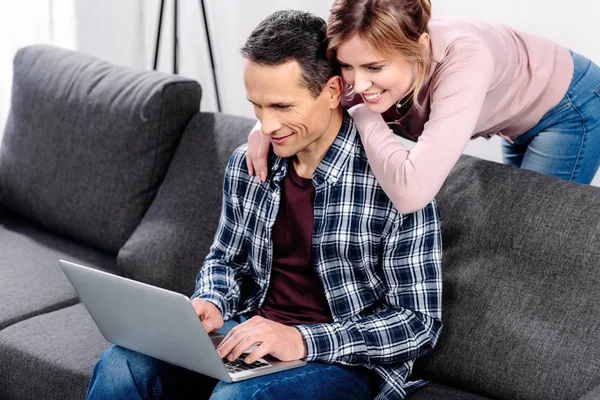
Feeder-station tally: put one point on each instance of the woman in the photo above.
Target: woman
(444, 81)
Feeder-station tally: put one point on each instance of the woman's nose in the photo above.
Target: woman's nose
(361, 83)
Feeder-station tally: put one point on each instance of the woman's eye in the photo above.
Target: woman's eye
(375, 69)
(345, 67)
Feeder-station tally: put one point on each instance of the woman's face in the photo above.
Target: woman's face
(381, 81)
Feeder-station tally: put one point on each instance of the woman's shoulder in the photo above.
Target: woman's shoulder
(456, 40)
(450, 34)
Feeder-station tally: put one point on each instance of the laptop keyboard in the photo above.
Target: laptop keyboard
(238, 365)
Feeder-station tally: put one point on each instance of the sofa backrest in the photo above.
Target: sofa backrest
(168, 247)
(521, 275)
(87, 143)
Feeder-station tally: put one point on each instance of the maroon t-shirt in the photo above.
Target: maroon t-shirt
(295, 294)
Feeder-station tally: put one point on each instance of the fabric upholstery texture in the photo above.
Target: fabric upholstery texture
(593, 394)
(31, 281)
(168, 247)
(87, 143)
(50, 356)
(433, 391)
(521, 273)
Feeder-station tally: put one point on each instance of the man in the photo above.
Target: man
(314, 264)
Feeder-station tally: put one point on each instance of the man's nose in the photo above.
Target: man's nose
(270, 123)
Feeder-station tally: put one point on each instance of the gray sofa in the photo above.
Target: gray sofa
(118, 170)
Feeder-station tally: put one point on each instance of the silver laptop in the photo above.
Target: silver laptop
(159, 323)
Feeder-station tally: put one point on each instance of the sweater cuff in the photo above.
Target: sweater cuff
(368, 122)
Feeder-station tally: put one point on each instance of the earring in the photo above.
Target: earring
(349, 91)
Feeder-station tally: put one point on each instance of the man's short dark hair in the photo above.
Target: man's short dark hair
(291, 35)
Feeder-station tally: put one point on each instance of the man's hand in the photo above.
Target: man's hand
(282, 342)
(209, 314)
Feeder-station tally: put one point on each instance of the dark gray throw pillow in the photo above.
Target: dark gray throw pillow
(87, 143)
(168, 247)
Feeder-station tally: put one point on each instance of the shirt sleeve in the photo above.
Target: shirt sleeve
(407, 323)
(220, 278)
(411, 178)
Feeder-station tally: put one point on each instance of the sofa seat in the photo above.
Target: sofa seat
(434, 391)
(50, 356)
(30, 263)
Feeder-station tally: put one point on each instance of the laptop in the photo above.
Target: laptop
(159, 323)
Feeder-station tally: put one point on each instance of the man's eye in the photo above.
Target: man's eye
(281, 108)
(345, 67)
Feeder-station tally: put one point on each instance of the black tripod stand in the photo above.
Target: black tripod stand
(176, 40)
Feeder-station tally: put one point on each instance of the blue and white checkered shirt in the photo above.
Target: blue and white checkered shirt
(381, 270)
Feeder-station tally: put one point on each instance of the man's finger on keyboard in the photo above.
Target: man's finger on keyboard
(259, 352)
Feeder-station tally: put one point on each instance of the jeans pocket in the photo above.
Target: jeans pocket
(564, 104)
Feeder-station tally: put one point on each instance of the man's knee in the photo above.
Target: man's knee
(119, 360)
(118, 373)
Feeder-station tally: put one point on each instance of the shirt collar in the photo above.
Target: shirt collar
(335, 160)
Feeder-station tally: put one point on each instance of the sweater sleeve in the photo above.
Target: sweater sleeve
(412, 178)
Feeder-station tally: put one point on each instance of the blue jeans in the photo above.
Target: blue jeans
(126, 374)
(566, 141)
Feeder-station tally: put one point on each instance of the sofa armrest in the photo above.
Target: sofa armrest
(594, 394)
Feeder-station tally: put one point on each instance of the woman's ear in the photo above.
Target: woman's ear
(424, 39)
(334, 89)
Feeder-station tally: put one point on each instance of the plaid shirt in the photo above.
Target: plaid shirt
(381, 270)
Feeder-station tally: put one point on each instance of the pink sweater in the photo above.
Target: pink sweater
(484, 79)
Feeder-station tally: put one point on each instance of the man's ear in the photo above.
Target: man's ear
(334, 89)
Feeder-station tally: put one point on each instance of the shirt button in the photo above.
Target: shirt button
(274, 195)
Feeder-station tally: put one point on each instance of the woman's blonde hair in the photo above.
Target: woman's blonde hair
(390, 27)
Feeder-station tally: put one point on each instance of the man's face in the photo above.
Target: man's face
(290, 116)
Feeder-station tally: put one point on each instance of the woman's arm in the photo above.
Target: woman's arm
(411, 178)
(258, 153)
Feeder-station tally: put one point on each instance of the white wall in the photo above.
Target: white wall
(123, 31)
(28, 22)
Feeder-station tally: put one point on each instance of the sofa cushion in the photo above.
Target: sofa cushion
(169, 246)
(87, 143)
(433, 391)
(521, 275)
(594, 394)
(50, 356)
(31, 281)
